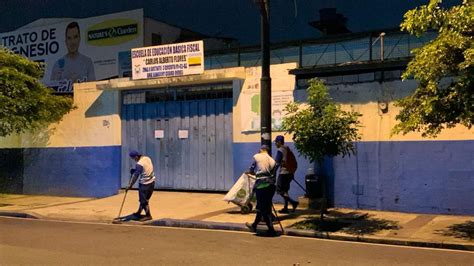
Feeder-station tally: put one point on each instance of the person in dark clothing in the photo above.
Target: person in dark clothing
(284, 176)
(263, 166)
(143, 171)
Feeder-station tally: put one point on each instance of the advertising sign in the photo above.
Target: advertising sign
(78, 50)
(283, 85)
(170, 60)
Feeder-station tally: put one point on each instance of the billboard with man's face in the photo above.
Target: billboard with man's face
(78, 50)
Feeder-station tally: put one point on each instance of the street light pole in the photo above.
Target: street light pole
(265, 81)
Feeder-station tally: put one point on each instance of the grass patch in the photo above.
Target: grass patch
(315, 224)
(356, 225)
(463, 231)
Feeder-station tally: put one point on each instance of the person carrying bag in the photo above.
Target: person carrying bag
(263, 166)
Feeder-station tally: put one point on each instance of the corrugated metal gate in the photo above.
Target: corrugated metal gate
(187, 133)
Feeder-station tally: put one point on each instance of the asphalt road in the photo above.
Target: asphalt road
(28, 241)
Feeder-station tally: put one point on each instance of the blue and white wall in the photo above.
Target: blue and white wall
(399, 173)
(80, 156)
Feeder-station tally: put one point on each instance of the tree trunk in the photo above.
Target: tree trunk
(323, 187)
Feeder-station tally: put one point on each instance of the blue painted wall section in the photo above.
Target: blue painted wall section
(411, 176)
(79, 172)
(408, 176)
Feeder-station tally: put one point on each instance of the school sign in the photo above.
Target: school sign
(170, 60)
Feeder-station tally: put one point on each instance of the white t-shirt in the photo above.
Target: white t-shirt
(147, 176)
(264, 163)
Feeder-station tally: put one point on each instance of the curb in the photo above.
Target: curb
(17, 215)
(199, 224)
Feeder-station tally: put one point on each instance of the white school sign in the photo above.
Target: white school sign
(170, 60)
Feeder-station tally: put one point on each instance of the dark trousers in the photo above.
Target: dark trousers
(144, 195)
(264, 206)
(283, 186)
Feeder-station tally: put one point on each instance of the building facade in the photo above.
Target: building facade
(202, 130)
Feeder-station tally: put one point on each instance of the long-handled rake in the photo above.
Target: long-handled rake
(299, 185)
(278, 219)
(118, 219)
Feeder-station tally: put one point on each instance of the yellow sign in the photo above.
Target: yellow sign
(113, 32)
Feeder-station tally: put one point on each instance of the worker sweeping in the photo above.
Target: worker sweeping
(143, 171)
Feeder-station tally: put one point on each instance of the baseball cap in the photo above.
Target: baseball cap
(280, 138)
(133, 154)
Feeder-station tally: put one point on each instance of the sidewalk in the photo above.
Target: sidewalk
(208, 210)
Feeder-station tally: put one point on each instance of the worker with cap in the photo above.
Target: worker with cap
(263, 166)
(284, 176)
(143, 171)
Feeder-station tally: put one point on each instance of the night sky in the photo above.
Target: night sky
(239, 19)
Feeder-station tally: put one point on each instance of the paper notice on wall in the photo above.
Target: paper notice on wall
(159, 134)
(183, 134)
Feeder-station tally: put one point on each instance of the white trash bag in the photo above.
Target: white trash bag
(241, 191)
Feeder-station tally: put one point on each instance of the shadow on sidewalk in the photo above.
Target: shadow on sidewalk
(463, 231)
(354, 223)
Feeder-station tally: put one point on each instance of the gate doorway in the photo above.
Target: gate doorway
(187, 132)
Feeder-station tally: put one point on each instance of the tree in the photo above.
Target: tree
(321, 128)
(443, 68)
(25, 103)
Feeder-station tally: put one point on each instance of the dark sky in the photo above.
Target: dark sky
(238, 19)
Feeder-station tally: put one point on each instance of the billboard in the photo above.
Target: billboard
(78, 50)
(170, 60)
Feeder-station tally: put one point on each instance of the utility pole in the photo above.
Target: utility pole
(265, 81)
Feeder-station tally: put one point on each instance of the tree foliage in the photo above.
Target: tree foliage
(443, 68)
(25, 103)
(321, 128)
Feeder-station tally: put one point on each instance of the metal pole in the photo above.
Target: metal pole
(300, 58)
(382, 46)
(265, 81)
(370, 47)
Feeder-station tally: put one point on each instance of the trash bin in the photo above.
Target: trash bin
(313, 185)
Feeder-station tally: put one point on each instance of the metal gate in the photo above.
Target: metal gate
(189, 141)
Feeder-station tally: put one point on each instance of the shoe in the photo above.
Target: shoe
(145, 218)
(251, 227)
(284, 210)
(295, 205)
(271, 232)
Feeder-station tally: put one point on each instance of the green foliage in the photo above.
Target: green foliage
(321, 128)
(443, 68)
(25, 103)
